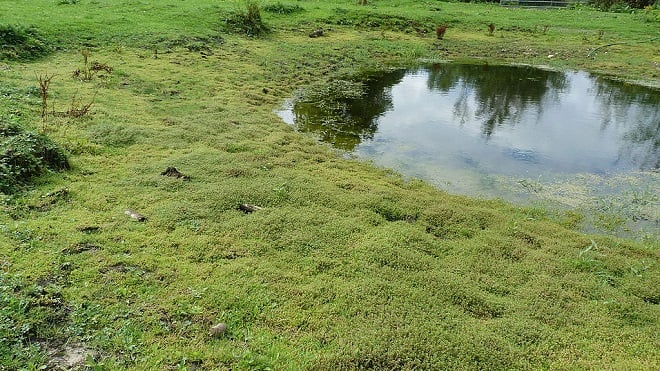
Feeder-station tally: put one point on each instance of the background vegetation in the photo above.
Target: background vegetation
(346, 266)
(21, 42)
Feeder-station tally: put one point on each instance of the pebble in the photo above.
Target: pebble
(218, 329)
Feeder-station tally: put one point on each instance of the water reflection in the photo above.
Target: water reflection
(636, 109)
(351, 121)
(517, 121)
(502, 93)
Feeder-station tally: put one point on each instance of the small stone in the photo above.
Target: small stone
(174, 173)
(248, 208)
(218, 329)
(316, 33)
(135, 215)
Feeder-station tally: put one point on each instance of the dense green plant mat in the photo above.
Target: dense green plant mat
(25, 155)
(21, 42)
(345, 265)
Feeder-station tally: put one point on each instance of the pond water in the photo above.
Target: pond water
(519, 133)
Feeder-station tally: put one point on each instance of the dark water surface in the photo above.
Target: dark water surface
(499, 131)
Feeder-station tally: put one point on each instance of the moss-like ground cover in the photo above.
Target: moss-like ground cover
(346, 266)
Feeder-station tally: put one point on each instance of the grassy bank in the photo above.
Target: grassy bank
(346, 266)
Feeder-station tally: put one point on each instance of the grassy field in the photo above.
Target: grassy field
(347, 266)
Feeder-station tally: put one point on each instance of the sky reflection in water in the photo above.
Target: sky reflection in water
(458, 125)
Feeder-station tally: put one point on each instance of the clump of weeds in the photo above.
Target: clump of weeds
(90, 69)
(248, 21)
(44, 84)
(78, 109)
(281, 8)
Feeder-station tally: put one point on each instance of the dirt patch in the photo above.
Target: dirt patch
(174, 173)
(68, 357)
(123, 268)
(80, 248)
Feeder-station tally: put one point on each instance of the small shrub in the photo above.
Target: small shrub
(24, 155)
(21, 43)
(248, 22)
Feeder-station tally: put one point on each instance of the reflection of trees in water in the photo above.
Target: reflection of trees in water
(502, 93)
(350, 120)
(495, 95)
(638, 108)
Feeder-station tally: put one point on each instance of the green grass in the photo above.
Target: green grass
(347, 266)
(21, 43)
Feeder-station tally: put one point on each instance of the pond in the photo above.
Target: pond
(515, 132)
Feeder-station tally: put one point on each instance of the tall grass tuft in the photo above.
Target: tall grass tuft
(247, 22)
